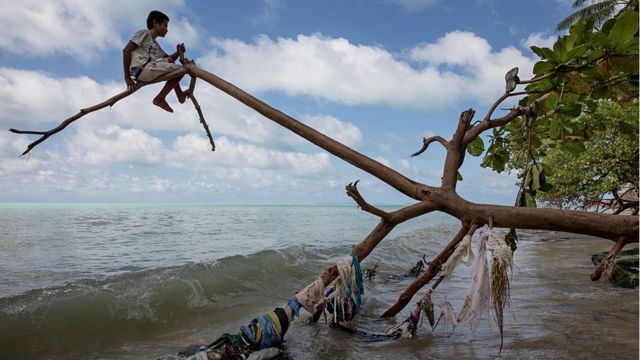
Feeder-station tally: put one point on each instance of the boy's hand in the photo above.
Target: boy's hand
(131, 85)
(180, 48)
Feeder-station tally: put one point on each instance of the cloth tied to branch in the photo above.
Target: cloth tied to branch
(344, 298)
(312, 297)
(481, 292)
(463, 254)
(267, 330)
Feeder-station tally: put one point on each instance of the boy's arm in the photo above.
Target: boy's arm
(179, 48)
(126, 62)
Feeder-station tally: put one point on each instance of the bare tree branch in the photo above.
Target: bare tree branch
(472, 230)
(192, 86)
(487, 124)
(432, 270)
(110, 102)
(352, 192)
(536, 79)
(606, 262)
(429, 140)
(366, 246)
(493, 107)
(455, 151)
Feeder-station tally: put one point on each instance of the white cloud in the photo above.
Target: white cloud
(38, 101)
(481, 69)
(459, 67)
(414, 5)
(114, 144)
(269, 13)
(540, 40)
(86, 166)
(101, 147)
(78, 28)
(181, 31)
(192, 151)
(503, 183)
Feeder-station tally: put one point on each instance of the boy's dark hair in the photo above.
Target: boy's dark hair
(156, 16)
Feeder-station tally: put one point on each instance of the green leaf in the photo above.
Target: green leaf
(560, 49)
(624, 28)
(544, 185)
(459, 176)
(476, 147)
(550, 103)
(500, 161)
(542, 67)
(577, 52)
(521, 201)
(535, 178)
(527, 179)
(571, 109)
(540, 86)
(530, 201)
(546, 53)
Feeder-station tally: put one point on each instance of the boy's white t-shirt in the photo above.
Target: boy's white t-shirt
(148, 49)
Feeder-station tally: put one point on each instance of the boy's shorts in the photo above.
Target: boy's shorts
(155, 69)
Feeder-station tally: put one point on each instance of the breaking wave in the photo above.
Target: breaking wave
(146, 304)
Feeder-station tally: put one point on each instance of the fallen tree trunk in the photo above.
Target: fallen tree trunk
(620, 228)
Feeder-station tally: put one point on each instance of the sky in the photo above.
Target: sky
(376, 75)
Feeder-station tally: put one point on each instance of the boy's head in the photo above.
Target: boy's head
(158, 18)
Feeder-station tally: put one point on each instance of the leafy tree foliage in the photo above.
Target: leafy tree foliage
(589, 81)
(607, 167)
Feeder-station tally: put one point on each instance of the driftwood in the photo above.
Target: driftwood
(622, 229)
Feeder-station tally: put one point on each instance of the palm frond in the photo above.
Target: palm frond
(598, 12)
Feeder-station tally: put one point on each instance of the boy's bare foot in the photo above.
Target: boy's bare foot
(163, 104)
(183, 97)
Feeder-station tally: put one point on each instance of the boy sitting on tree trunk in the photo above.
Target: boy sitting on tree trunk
(144, 60)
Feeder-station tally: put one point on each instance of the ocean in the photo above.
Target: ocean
(121, 281)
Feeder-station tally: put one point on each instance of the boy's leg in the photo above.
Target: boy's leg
(152, 71)
(160, 99)
(181, 95)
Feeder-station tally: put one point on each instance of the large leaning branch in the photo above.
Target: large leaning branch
(85, 111)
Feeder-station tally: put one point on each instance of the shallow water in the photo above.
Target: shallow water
(114, 281)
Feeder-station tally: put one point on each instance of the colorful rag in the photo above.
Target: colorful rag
(294, 306)
(311, 297)
(358, 282)
(267, 330)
